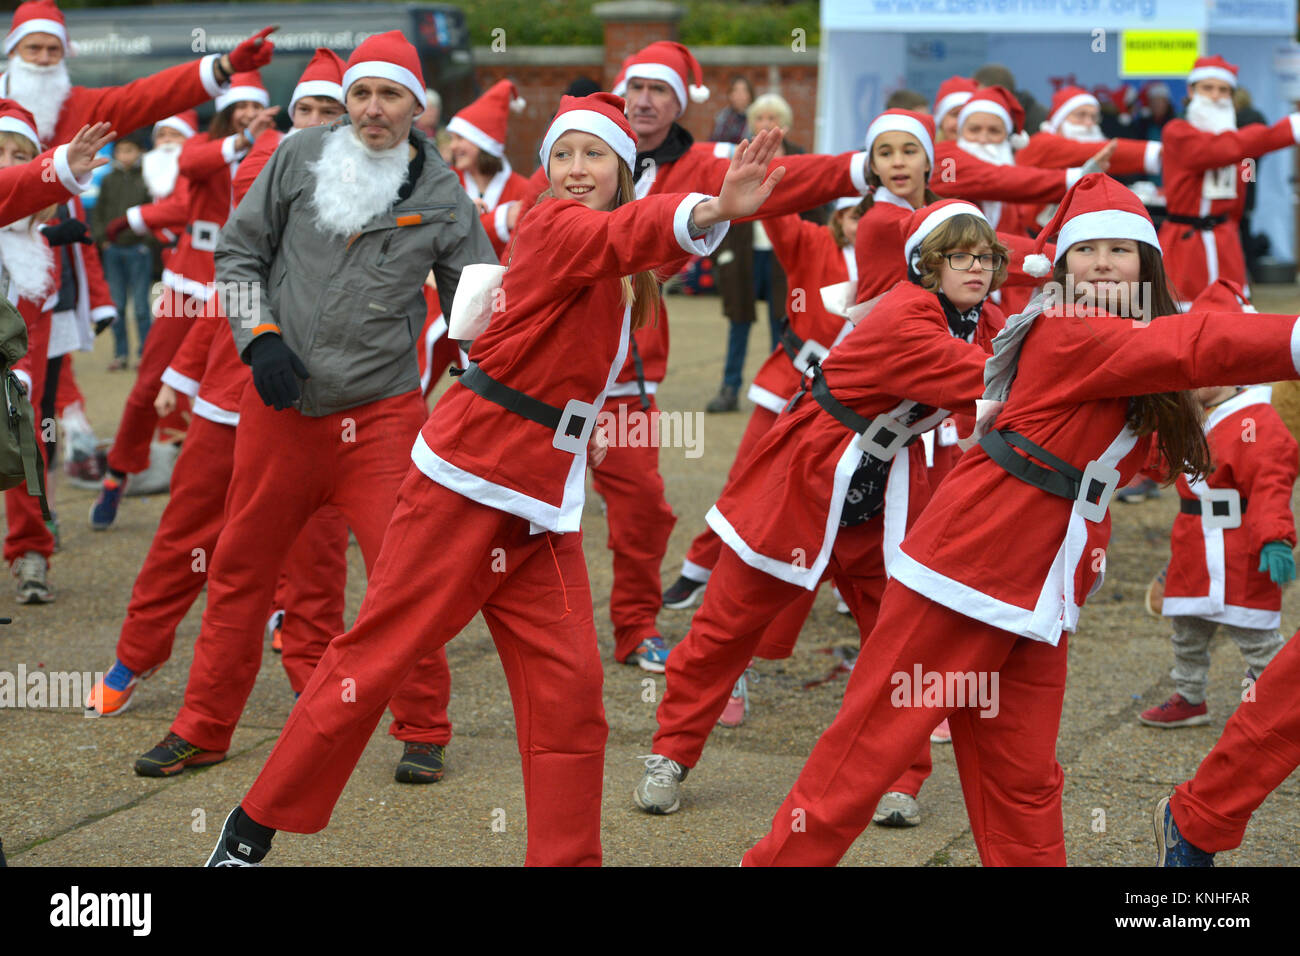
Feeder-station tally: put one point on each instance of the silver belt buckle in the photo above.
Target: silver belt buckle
(578, 412)
(1221, 508)
(204, 234)
(883, 437)
(1093, 507)
(810, 350)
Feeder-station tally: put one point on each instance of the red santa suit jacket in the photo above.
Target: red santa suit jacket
(28, 188)
(810, 180)
(811, 259)
(139, 103)
(781, 513)
(207, 366)
(879, 248)
(1214, 571)
(209, 166)
(1004, 552)
(505, 187)
(563, 335)
(1203, 175)
(1132, 157)
(164, 218)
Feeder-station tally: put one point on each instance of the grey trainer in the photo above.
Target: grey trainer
(897, 810)
(31, 570)
(660, 789)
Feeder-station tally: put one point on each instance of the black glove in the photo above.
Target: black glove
(276, 370)
(67, 232)
(104, 323)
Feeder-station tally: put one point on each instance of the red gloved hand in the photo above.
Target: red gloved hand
(254, 53)
(115, 228)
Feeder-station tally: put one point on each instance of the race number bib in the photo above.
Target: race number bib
(1220, 183)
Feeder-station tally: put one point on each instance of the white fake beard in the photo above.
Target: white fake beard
(999, 154)
(42, 90)
(1083, 134)
(355, 183)
(1210, 116)
(28, 259)
(160, 168)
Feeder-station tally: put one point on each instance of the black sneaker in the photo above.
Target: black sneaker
(683, 593)
(173, 755)
(235, 850)
(421, 763)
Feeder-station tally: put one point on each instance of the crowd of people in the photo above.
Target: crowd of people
(982, 337)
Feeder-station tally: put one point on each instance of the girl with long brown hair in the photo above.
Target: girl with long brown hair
(992, 576)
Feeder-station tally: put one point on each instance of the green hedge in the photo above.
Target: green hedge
(570, 22)
(706, 23)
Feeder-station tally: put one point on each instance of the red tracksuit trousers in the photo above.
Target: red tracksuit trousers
(311, 594)
(26, 528)
(286, 467)
(1007, 761)
(176, 569)
(640, 523)
(1259, 748)
(732, 622)
(702, 557)
(536, 599)
(173, 315)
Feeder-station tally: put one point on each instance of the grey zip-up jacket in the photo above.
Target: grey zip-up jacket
(351, 307)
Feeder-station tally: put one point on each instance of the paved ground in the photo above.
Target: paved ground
(68, 795)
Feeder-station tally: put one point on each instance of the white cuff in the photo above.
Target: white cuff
(208, 74)
(229, 152)
(712, 237)
(1073, 175)
(64, 171)
(1295, 345)
(103, 312)
(499, 219)
(135, 219)
(858, 171)
(182, 383)
(25, 379)
(1151, 160)
(1295, 126)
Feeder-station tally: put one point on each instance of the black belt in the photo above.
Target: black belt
(789, 341)
(1061, 479)
(821, 393)
(640, 374)
(485, 386)
(1200, 222)
(1192, 506)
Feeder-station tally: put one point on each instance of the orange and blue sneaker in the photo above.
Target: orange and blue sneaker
(275, 630)
(172, 755)
(104, 511)
(651, 655)
(112, 693)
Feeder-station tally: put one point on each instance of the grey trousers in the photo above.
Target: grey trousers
(1191, 640)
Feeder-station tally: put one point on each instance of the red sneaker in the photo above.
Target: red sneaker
(1176, 712)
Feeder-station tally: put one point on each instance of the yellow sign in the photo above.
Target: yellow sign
(1148, 53)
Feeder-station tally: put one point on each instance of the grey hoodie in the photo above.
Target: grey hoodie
(350, 307)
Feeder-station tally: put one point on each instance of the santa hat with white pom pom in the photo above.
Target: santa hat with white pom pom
(483, 122)
(1096, 207)
(669, 63)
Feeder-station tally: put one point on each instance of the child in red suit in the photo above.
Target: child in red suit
(812, 501)
(1232, 540)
